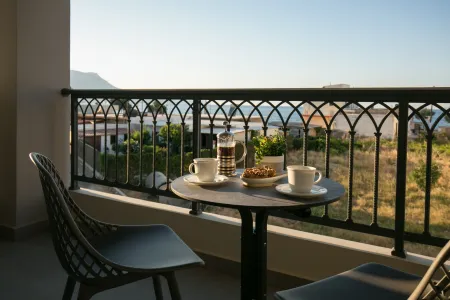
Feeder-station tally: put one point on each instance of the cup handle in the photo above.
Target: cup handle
(320, 177)
(190, 168)
(244, 154)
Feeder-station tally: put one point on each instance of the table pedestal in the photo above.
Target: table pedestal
(253, 254)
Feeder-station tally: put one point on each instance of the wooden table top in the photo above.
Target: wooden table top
(234, 194)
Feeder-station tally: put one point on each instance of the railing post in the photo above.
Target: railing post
(73, 142)
(196, 139)
(400, 193)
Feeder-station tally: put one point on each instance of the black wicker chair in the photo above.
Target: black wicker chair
(375, 281)
(102, 256)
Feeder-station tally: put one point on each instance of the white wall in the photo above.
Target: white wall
(43, 68)
(38, 52)
(365, 127)
(327, 109)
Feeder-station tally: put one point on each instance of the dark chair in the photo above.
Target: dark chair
(102, 256)
(375, 281)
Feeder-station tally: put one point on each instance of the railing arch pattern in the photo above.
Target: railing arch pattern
(130, 111)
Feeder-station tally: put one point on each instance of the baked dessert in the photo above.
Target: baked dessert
(262, 172)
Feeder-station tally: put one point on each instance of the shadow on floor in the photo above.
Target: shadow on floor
(29, 270)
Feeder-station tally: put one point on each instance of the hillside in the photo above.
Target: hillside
(89, 80)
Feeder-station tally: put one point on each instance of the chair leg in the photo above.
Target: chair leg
(173, 286)
(157, 287)
(68, 290)
(86, 292)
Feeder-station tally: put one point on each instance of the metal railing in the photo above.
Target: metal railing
(197, 113)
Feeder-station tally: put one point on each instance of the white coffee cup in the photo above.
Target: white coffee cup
(301, 178)
(205, 169)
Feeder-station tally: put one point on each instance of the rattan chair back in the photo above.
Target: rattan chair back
(71, 228)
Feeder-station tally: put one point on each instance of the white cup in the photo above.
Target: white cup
(205, 169)
(301, 178)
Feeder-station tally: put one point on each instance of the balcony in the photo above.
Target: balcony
(100, 162)
(126, 167)
(370, 140)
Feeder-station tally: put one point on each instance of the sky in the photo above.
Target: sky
(262, 43)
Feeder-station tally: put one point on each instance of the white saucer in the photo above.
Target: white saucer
(315, 191)
(192, 179)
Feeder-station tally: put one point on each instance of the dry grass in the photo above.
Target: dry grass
(363, 192)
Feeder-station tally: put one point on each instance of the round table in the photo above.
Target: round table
(261, 201)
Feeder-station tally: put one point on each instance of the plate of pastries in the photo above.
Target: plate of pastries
(260, 176)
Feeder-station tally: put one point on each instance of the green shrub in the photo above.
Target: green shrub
(419, 174)
(318, 143)
(147, 164)
(135, 142)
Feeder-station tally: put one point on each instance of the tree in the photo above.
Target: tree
(126, 106)
(157, 107)
(426, 113)
(419, 174)
(175, 136)
(146, 139)
(135, 142)
(131, 109)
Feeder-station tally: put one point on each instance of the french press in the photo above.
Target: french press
(226, 145)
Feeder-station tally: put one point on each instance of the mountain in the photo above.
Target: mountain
(89, 80)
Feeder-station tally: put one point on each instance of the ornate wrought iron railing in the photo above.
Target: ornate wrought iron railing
(185, 121)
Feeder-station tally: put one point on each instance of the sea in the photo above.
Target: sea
(283, 111)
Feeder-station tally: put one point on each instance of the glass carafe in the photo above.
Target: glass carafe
(226, 146)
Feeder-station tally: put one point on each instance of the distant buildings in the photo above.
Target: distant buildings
(344, 119)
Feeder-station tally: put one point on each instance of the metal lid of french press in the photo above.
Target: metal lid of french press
(226, 135)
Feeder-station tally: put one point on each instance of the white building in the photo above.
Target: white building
(365, 126)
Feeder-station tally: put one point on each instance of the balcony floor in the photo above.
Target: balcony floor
(30, 270)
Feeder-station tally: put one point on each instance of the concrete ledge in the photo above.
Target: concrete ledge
(291, 252)
(23, 232)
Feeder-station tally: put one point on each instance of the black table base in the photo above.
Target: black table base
(253, 254)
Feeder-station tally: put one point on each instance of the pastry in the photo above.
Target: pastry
(262, 172)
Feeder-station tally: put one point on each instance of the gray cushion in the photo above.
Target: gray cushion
(144, 248)
(369, 281)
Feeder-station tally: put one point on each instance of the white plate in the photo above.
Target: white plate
(315, 191)
(192, 179)
(260, 182)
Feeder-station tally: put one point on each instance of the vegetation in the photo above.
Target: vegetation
(426, 113)
(157, 108)
(135, 143)
(274, 145)
(337, 146)
(175, 136)
(135, 164)
(135, 140)
(419, 175)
